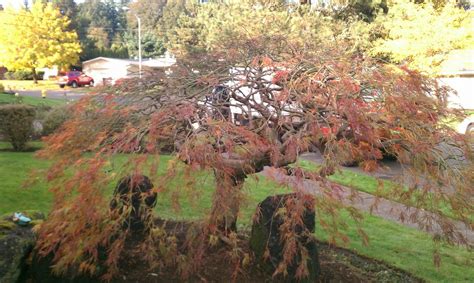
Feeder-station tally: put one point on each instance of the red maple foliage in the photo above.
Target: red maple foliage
(233, 113)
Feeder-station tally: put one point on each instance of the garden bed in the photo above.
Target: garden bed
(337, 265)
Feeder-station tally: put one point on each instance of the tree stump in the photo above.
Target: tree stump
(134, 197)
(267, 242)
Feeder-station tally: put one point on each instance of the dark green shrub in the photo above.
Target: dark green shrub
(40, 75)
(9, 75)
(2, 88)
(23, 75)
(19, 75)
(55, 118)
(16, 124)
(41, 111)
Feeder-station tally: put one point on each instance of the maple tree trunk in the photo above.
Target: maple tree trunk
(226, 201)
(35, 77)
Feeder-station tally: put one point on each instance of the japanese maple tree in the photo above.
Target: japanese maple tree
(234, 106)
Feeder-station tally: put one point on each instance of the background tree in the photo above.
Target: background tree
(66, 7)
(171, 14)
(152, 46)
(149, 11)
(421, 36)
(37, 38)
(101, 24)
(256, 95)
(366, 10)
(69, 9)
(102, 20)
(439, 4)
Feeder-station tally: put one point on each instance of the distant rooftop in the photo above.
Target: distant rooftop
(165, 61)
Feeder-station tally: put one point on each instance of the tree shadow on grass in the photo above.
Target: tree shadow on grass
(32, 148)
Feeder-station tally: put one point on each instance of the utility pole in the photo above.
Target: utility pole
(139, 47)
(139, 42)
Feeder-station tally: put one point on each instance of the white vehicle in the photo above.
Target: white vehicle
(242, 88)
(467, 126)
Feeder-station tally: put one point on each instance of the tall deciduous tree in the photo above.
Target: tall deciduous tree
(149, 11)
(69, 9)
(37, 38)
(422, 36)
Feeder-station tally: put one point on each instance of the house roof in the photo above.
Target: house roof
(108, 59)
(152, 63)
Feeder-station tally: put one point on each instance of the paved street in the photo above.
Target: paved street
(393, 170)
(390, 210)
(390, 169)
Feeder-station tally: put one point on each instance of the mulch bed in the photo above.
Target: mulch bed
(337, 265)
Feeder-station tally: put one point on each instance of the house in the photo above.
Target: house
(108, 70)
(457, 72)
(49, 72)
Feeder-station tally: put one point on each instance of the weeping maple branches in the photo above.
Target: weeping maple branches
(235, 112)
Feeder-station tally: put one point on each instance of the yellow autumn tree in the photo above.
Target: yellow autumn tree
(36, 38)
(422, 36)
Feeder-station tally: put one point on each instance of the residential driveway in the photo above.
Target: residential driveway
(68, 94)
(395, 171)
(420, 219)
(389, 169)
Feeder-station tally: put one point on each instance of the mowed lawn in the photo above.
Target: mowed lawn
(397, 245)
(34, 101)
(29, 85)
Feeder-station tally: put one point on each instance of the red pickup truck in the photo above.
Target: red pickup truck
(75, 79)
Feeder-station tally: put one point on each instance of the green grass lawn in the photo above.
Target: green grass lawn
(397, 245)
(371, 185)
(357, 181)
(29, 85)
(12, 85)
(452, 123)
(34, 101)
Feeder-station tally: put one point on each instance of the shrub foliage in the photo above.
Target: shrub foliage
(54, 118)
(16, 124)
(22, 75)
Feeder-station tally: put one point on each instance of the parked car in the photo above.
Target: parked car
(75, 79)
(467, 126)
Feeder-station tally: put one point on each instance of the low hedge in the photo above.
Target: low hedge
(54, 119)
(16, 124)
(23, 75)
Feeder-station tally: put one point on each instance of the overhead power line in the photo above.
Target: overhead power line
(90, 27)
(97, 27)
